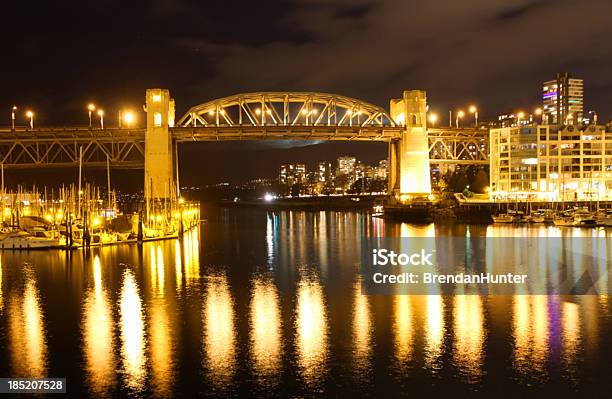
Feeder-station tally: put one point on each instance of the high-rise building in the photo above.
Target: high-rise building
(563, 100)
(324, 172)
(291, 174)
(381, 171)
(346, 165)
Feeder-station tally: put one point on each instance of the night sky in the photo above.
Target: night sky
(58, 56)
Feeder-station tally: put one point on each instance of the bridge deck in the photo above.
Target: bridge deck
(59, 147)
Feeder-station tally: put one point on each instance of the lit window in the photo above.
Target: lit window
(157, 119)
(156, 98)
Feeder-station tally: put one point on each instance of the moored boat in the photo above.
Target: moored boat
(24, 240)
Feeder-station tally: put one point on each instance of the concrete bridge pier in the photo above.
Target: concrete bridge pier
(409, 175)
(159, 184)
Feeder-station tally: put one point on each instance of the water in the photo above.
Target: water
(269, 304)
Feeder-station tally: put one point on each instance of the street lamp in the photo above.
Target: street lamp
(474, 110)
(460, 114)
(90, 109)
(101, 115)
(433, 118)
(128, 117)
(13, 116)
(538, 112)
(30, 115)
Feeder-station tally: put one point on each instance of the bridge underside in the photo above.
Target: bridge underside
(296, 132)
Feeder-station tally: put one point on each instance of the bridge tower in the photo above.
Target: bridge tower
(159, 156)
(409, 173)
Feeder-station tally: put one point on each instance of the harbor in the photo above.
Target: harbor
(73, 218)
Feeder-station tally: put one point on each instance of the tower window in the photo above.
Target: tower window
(157, 119)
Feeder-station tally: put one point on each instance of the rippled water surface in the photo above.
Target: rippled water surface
(265, 304)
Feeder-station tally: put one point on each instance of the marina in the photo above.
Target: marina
(72, 218)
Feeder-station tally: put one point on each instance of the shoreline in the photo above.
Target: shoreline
(441, 211)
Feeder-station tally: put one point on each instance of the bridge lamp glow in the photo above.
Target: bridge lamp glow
(30, 114)
(258, 111)
(128, 118)
(433, 118)
(90, 108)
(474, 110)
(222, 112)
(460, 114)
(314, 111)
(13, 116)
(269, 111)
(211, 112)
(101, 115)
(304, 111)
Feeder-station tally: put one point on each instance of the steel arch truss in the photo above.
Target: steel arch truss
(61, 147)
(459, 146)
(286, 109)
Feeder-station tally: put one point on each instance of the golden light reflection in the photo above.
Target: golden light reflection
(434, 330)
(161, 348)
(530, 330)
(157, 269)
(311, 331)
(132, 333)
(571, 338)
(28, 346)
(191, 247)
(178, 265)
(266, 328)
(403, 327)
(362, 329)
(219, 331)
(469, 335)
(98, 335)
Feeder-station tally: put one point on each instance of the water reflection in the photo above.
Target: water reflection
(302, 327)
(132, 333)
(178, 265)
(571, 338)
(434, 331)
(403, 328)
(157, 269)
(161, 347)
(469, 336)
(311, 330)
(362, 330)
(28, 346)
(266, 328)
(191, 248)
(530, 330)
(219, 331)
(98, 335)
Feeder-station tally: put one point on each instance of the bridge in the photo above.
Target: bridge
(253, 116)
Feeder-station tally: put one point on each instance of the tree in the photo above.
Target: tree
(480, 182)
